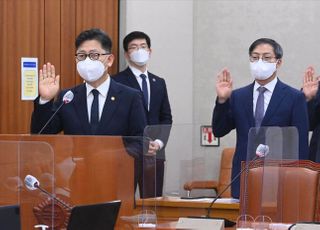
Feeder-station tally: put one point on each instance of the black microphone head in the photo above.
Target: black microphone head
(31, 182)
(262, 150)
(68, 97)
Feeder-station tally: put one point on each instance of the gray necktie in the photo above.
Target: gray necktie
(258, 116)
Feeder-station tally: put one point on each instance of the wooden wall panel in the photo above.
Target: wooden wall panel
(45, 29)
(101, 14)
(68, 35)
(52, 37)
(21, 29)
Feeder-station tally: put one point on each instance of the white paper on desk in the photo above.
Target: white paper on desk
(227, 200)
(200, 224)
(220, 200)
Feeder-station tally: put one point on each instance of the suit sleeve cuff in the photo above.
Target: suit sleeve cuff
(160, 143)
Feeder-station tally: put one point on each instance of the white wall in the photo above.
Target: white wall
(193, 39)
(169, 23)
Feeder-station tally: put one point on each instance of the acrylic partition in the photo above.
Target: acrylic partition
(190, 154)
(272, 185)
(186, 158)
(23, 165)
(71, 171)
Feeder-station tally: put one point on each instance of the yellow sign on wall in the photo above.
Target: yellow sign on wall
(29, 78)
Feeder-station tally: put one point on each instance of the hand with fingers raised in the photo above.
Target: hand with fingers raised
(48, 82)
(224, 85)
(310, 83)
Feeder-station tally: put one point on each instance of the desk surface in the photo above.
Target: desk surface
(173, 207)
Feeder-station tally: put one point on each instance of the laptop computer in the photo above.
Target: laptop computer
(10, 217)
(102, 216)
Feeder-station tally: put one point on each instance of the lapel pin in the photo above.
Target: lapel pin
(113, 98)
(153, 79)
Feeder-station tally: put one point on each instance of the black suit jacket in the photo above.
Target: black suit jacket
(123, 113)
(159, 116)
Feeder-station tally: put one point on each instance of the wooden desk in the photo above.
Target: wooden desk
(172, 207)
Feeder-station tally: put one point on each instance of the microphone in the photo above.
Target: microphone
(32, 183)
(67, 98)
(261, 151)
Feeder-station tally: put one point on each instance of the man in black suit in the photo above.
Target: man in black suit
(137, 47)
(100, 106)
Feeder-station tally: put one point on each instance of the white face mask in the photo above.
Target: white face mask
(140, 57)
(90, 70)
(262, 70)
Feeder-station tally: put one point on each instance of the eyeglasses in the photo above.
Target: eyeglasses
(267, 59)
(92, 56)
(136, 47)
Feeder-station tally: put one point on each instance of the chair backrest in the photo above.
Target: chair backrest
(285, 191)
(225, 171)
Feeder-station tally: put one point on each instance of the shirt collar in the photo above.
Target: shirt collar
(137, 72)
(103, 88)
(270, 86)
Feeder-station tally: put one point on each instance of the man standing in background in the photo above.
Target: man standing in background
(137, 51)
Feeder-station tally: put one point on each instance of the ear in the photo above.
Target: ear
(126, 55)
(110, 60)
(279, 63)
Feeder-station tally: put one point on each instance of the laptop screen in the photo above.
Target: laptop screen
(102, 216)
(10, 217)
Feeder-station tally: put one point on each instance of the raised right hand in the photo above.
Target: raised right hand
(48, 82)
(310, 83)
(224, 85)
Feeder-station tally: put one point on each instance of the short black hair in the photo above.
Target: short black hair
(135, 35)
(276, 47)
(95, 34)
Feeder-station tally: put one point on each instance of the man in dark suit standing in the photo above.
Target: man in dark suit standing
(311, 91)
(100, 106)
(137, 47)
(265, 102)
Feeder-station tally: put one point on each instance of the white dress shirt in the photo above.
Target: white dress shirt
(267, 94)
(103, 93)
(137, 74)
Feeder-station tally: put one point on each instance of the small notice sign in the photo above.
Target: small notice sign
(29, 78)
(207, 137)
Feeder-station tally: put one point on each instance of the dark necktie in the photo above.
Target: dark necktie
(145, 89)
(95, 111)
(259, 114)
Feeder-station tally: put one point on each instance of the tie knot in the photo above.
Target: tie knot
(95, 92)
(261, 89)
(143, 76)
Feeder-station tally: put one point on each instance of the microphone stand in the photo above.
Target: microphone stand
(228, 186)
(67, 98)
(52, 116)
(52, 196)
